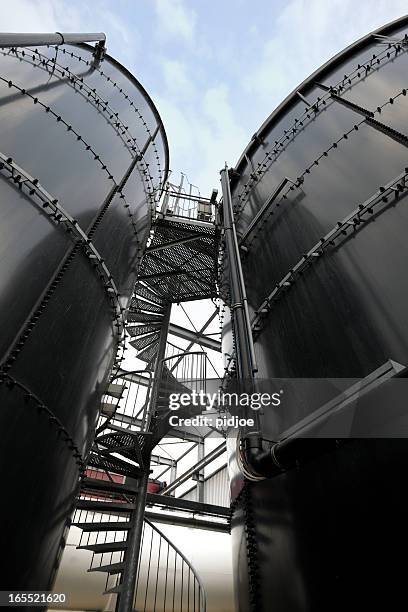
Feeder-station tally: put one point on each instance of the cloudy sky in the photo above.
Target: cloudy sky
(215, 68)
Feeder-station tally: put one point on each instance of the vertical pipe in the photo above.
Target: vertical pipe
(245, 357)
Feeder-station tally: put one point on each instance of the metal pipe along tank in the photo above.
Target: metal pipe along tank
(83, 155)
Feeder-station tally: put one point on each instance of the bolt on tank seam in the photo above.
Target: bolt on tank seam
(301, 178)
(242, 197)
(339, 232)
(91, 95)
(252, 549)
(126, 96)
(48, 292)
(77, 83)
(10, 382)
(254, 175)
(88, 147)
(59, 216)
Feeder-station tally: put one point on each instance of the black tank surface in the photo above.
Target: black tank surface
(320, 198)
(83, 155)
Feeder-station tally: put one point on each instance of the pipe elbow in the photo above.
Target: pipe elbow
(258, 461)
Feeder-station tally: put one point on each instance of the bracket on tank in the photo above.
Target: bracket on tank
(260, 215)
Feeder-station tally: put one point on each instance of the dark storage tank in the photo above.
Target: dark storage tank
(325, 179)
(83, 156)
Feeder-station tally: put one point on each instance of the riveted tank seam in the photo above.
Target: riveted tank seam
(294, 128)
(131, 103)
(353, 221)
(300, 179)
(359, 45)
(29, 397)
(88, 147)
(78, 84)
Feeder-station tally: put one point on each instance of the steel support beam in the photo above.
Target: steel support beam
(196, 468)
(199, 476)
(185, 505)
(200, 331)
(159, 460)
(194, 337)
(187, 521)
(173, 473)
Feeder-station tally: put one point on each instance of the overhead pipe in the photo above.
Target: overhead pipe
(14, 39)
(258, 458)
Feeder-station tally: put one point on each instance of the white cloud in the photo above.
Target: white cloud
(175, 20)
(203, 134)
(63, 16)
(176, 79)
(209, 122)
(306, 34)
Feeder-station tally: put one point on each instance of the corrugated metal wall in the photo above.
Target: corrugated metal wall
(216, 489)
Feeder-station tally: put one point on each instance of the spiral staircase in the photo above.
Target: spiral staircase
(179, 265)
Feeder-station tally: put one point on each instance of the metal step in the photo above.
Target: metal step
(125, 430)
(145, 341)
(106, 486)
(105, 547)
(113, 464)
(115, 390)
(145, 317)
(146, 292)
(141, 330)
(138, 304)
(107, 409)
(105, 507)
(148, 353)
(104, 526)
(151, 345)
(113, 568)
(116, 589)
(124, 438)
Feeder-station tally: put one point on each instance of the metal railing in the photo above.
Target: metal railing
(104, 536)
(181, 373)
(166, 581)
(127, 405)
(187, 203)
(187, 366)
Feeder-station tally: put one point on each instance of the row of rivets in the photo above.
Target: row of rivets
(290, 133)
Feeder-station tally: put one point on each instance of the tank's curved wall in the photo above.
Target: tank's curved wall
(94, 141)
(344, 316)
